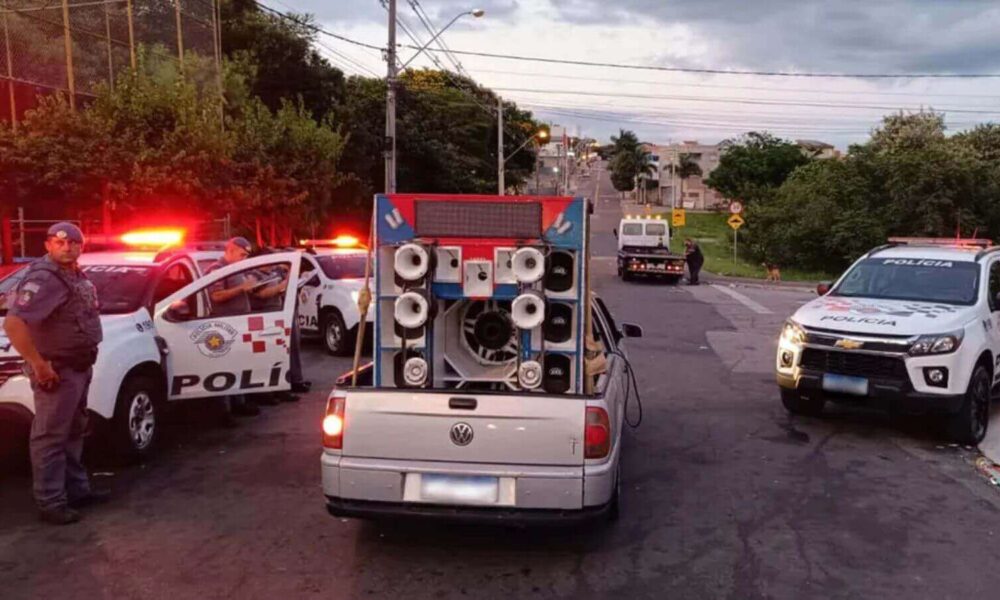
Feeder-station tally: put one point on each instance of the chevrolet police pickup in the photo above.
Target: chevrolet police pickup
(163, 342)
(480, 456)
(332, 276)
(644, 249)
(913, 326)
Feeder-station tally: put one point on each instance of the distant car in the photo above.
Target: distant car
(912, 326)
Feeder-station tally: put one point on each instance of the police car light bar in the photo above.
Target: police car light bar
(341, 241)
(153, 237)
(959, 242)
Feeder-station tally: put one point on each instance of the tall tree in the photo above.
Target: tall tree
(753, 166)
(629, 160)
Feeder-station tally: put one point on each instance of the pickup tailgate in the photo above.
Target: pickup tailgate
(506, 429)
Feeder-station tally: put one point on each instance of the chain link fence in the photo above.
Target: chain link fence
(74, 46)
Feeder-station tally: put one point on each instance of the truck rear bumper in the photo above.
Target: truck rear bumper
(359, 509)
(378, 488)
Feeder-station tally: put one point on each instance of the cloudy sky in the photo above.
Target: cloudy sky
(843, 37)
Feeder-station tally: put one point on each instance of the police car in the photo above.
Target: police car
(162, 342)
(332, 276)
(913, 325)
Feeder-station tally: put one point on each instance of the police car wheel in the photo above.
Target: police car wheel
(335, 336)
(968, 425)
(135, 430)
(797, 405)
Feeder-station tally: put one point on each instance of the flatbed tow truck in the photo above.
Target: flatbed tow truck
(644, 249)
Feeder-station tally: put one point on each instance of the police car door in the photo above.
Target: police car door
(216, 349)
(309, 291)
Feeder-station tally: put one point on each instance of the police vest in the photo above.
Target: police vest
(73, 330)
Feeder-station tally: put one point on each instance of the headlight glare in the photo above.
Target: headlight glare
(792, 334)
(936, 344)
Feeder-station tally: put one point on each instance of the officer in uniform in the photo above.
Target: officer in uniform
(232, 296)
(54, 324)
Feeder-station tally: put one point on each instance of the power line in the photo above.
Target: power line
(585, 63)
(742, 101)
(315, 28)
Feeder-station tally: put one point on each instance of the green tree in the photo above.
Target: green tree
(753, 166)
(629, 160)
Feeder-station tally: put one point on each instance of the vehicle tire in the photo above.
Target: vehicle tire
(673, 280)
(336, 338)
(626, 276)
(968, 425)
(136, 424)
(797, 405)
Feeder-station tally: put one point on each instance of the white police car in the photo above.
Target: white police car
(162, 342)
(332, 276)
(913, 326)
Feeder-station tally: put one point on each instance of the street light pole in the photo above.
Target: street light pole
(500, 160)
(390, 104)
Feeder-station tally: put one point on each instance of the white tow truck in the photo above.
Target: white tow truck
(163, 343)
(644, 249)
(913, 326)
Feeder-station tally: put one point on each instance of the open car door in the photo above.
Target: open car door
(236, 347)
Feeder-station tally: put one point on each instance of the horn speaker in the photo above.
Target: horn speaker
(528, 265)
(412, 309)
(412, 261)
(528, 310)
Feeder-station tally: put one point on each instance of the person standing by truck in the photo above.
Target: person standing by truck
(695, 260)
(54, 323)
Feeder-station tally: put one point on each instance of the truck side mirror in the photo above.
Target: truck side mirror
(615, 232)
(630, 330)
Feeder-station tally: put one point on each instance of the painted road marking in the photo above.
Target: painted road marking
(760, 309)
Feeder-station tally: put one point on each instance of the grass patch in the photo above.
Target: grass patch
(715, 237)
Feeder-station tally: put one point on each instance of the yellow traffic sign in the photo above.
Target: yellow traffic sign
(736, 221)
(678, 217)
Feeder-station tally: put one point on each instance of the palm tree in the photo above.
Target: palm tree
(686, 166)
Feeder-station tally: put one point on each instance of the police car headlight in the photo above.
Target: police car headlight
(792, 334)
(937, 344)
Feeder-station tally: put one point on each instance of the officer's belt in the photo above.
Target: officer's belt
(77, 362)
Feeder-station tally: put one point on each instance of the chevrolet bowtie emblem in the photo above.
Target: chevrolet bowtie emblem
(849, 344)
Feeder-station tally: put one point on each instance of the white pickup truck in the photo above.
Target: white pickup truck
(912, 326)
(480, 456)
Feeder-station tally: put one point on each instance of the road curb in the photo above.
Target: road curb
(791, 286)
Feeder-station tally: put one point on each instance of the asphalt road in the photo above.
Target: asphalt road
(725, 496)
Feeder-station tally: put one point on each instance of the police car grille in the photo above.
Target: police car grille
(853, 363)
(9, 367)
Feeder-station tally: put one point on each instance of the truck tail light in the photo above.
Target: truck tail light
(333, 422)
(597, 433)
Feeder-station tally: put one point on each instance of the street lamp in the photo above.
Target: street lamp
(390, 91)
(477, 12)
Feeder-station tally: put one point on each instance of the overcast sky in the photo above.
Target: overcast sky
(800, 36)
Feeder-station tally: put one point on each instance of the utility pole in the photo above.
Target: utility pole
(673, 178)
(390, 104)
(500, 160)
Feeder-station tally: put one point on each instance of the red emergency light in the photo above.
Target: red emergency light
(952, 242)
(153, 237)
(341, 241)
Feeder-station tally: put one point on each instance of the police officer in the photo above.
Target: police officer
(232, 296)
(54, 324)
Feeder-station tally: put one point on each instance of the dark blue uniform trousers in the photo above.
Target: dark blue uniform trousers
(57, 440)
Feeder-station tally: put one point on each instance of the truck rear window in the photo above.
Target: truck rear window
(632, 229)
(656, 229)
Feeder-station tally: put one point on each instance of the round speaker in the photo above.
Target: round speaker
(528, 310)
(529, 375)
(412, 309)
(400, 362)
(487, 332)
(559, 271)
(528, 265)
(556, 378)
(558, 326)
(415, 371)
(412, 262)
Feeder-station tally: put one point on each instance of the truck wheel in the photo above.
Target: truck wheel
(797, 405)
(673, 280)
(626, 276)
(135, 427)
(968, 425)
(335, 335)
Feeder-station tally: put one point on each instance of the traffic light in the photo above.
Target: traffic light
(543, 134)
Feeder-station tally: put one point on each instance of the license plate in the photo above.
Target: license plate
(459, 489)
(857, 386)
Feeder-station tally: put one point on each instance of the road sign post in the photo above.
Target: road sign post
(735, 221)
(678, 217)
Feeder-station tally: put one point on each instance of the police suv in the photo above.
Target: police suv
(332, 276)
(163, 342)
(913, 326)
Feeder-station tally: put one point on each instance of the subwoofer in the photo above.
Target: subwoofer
(557, 373)
(559, 268)
(558, 326)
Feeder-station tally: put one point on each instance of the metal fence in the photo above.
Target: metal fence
(73, 46)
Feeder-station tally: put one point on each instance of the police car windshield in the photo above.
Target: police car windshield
(915, 279)
(7, 285)
(343, 266)
(120, 288)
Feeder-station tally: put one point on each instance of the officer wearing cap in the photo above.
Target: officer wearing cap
(231, 296)
(54, 324)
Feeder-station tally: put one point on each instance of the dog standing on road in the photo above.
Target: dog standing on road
(773, 272)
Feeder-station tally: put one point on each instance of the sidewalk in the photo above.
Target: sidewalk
(796, 286)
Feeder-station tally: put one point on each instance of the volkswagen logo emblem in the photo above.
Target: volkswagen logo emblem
(461, 434)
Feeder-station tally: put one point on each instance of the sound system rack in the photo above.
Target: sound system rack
(481, 293)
